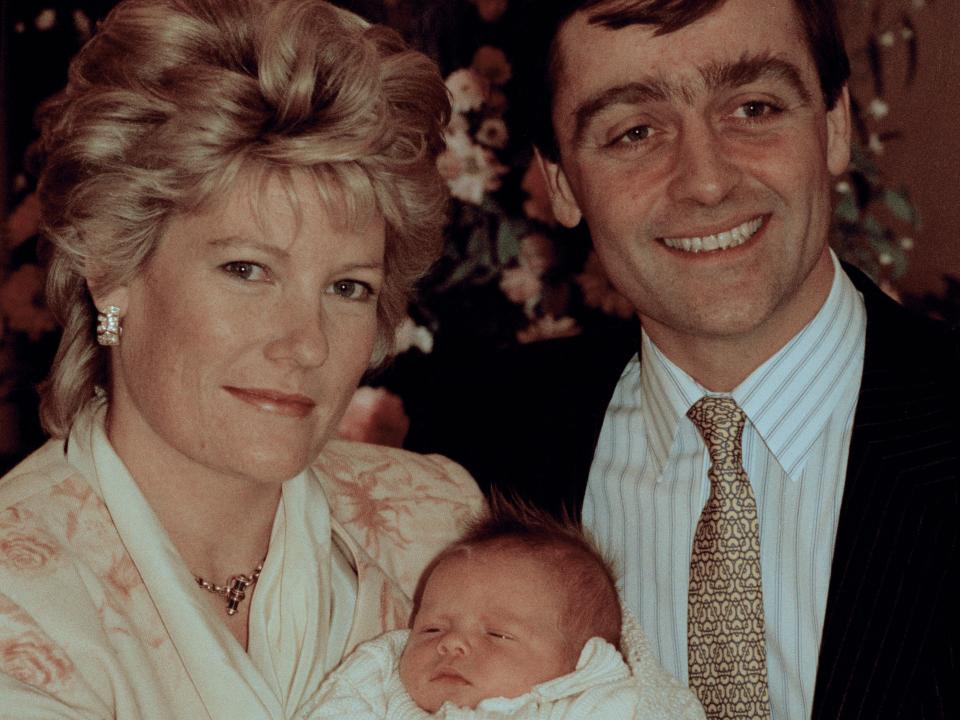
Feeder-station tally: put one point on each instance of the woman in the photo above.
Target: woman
(239, 195)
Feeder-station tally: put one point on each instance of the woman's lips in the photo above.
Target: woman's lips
(272, 401)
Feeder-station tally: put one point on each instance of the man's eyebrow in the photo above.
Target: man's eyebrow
(752, 68)
(716, 76)
(632, 93)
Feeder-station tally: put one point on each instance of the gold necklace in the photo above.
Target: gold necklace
(236, 588)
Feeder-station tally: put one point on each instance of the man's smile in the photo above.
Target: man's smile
(718, 241)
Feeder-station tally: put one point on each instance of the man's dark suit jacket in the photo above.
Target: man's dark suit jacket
(528, 422)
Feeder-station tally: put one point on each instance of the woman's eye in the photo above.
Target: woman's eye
(351, 289)
(755, 109)
(246, 270)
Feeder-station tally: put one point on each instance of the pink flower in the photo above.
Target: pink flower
(496, 103)
(409, 335)
(493, 133)
(491, 10)
(479, 171)
(467, 90)
(21, 300)
(491, 63)
(521, 285)
(450, 165)
(599, 293)
(548, 328)
(536, 253)
(32, 659)
(457, 126)
(375, 416)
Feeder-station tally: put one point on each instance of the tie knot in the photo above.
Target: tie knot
(720, 422)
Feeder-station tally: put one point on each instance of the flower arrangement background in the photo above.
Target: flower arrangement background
(509, 274)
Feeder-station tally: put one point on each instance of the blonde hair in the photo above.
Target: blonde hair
(171, 99)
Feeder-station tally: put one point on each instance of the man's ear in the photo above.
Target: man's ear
(564, 204)
(838, 134)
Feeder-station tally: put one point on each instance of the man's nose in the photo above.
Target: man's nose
(704, 174)
(453, 643)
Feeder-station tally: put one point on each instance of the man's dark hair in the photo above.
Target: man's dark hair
(592, 605)
(537, 61)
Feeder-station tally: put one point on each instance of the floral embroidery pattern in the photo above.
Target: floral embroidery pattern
(24, 546)
(377, 517)
(85, 534)
(27, 654)
(32, 659)
(123, 576)
(402, 508)
(22, 551)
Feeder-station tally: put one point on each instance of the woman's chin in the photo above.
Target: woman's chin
(271, 462)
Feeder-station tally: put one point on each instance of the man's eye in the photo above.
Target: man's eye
(352, 289)
(756, 109)
(246, 270)
(634, 135)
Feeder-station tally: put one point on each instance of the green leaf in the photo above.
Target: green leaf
(899, 205)
(873, 228)
(847, 210)
(509, 235)
(478, 247)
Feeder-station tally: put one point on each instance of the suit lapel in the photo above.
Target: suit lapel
(902, 463)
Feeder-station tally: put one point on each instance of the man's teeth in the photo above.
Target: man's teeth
(721, 241)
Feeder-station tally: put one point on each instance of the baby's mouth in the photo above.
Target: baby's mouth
(725, 240)
(450, 675)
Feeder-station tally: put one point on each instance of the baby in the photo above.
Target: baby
(520, 618)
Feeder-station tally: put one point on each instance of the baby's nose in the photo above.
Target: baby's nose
(452, 643)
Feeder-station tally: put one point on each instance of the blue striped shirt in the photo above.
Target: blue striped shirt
(648, 484)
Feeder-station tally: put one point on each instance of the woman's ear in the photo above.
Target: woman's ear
(564, 204)
(103, 297)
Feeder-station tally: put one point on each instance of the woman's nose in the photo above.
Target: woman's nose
(302, 340)
(452, 643)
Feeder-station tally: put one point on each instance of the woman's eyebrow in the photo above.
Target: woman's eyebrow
(236, 242)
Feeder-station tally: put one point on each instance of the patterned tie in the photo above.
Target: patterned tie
(726, 653)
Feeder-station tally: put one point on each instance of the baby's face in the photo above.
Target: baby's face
(489, 625)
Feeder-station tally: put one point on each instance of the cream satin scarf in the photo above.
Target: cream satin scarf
(291, 608)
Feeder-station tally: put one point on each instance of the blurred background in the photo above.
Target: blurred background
(509, 276)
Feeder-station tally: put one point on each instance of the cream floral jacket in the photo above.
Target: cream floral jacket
(100, 618)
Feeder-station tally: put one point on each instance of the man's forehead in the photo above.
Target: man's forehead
(584, 42)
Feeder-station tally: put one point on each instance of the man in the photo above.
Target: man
(698, 140)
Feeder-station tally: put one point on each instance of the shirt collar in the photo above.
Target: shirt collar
(787, 400)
